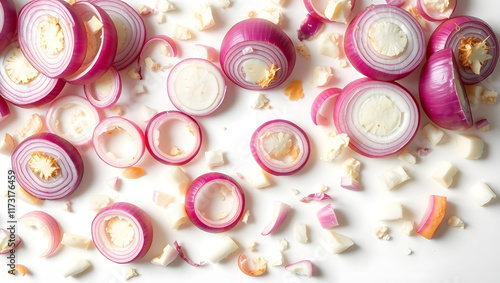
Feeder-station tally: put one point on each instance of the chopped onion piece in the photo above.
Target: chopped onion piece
(436, 10)
(113, 183)
(336, 145)
(76, 267)
(176, 215)
(351, 168)
(183, 255)
(489, 96)
(257, 179)
(444, 173)
(206, 52)
(221, 248)
(133, 172)
(393, 177)
(433, 216)
(279, 214)
(272, 14)
(432, 133)
(98, 202)
(316, 197)
(214, 158)
(168, 255)
(182, 33)
(407, 157)
(162, 199)
(482, 125)
(349, 183)
(326, 217)
(164, 6)
(321, 75)
(329, 45)
(129, 273)
(259, 267)
(303, 267)
(309, 28)
(469, 146)
(75, 241)
(407, 227)
(454, 221)
(382, 232)
(300, 232)
(303, 50)
(32, 126)
(482, 194)
(47, 225)
(7, 242)
(391, 211)
(321, 107)
(177, 179)
(202, 15)
(7, 144)
(335, 243)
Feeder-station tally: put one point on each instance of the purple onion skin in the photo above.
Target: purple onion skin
(8, 30)
(437, 81)
(396, 3)
(4, 109)
(309, 27)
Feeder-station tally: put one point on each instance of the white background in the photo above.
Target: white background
(453, 255)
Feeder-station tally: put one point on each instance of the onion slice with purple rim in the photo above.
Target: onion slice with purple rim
(338, 11)
(397, 3)
(5, 243)
(4, 109)
(327, 217)
(23, 85)
(196, 86)
(256, 54)
(384, 42)
(202, 197)
(101, 47)
(309, 27)
(130, 29)
(118, 142)
(467, 33)
(380, 118)
(280, 147)
(47, 166)
(169, 44)
(72, 118)
(160, 131)
(303, 267)
(8, 22)
(48, 227)
(122, 232)
(442, 95)
(280, 212)
(106, 90)
(52, 37)
(436, 11)
(319, 106)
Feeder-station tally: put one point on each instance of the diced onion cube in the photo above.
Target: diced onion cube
(432, 133)
(392, 177)
(482, 193)
(444, 173)
(469, 146)
(391, 211)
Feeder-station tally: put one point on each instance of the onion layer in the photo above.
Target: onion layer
(48, 226)
(280, 147)
(6, 241)
(260, 41)
(200, 196)
(155, 135)
(435, 14)
(63, 53)
(380, 118)
(339, 13)
(106, 90)
(384, 42)
(4, 109)
(47, 166)
(8, 22)
(171, 50)
(114, 246)
(318, 107)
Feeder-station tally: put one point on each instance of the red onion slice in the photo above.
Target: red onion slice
(72, 118)
(202, 197)
(196, 86)
(48, 226)
(450, 34)
(109, 237)
(270, 136)
(280, 212)
(309, 27)
(102, 44)
(8, 22)
(118, 142)
(317, 9)
(370, 51)
(4, 109)
(442, 95)
(171, 50)
(25, 87)
(5, 241)
(47, 166)
(262, 43)
(130, 28)
(435, 14)
(159, 133)
(54, 57)
(319, 106)
(106, 90)
(358, 112)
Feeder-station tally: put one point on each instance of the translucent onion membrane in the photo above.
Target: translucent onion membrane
(433, 14)
(362, 54)
(72, 118)
(25, 87)
(170, 43)
(257, 39)
(5, 245)
(196, 86)
(317, 8)
(294, 160)
(362, 110)
(140, 225)
(106, 90)
(130, 29)
(309, 27)
(101, 47)
(109, 144)
(442, 95)
(319, 107)
(8, 22)
(48, 227)
(47, 166)
(450, 34)
(4, 109)
(42, 49)
(200, 202)
(159, 131)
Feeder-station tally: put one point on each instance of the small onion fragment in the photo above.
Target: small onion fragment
(435, 14)
(257, 41)
(341, 12)
(452, 32)
(318, 107)
(155, 134)
(171, 49)
(127, 241)
(196, 86)
(108, 152)
(309, 28)
(384, 42)
(397, 3)
(184, 257)
(316, 197)
(130, 29)
(106, 90)
(47, 166)
(303, 267)
(52, 37)
(280, 212)
(379, 117)
(47, 225)
(280, 161)
(8, 24)
(326, 217)
(433, 216)
(72, 118)
(4, 109)
(258, 269)
(6, 243)
(200, 198)
(442, 94)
